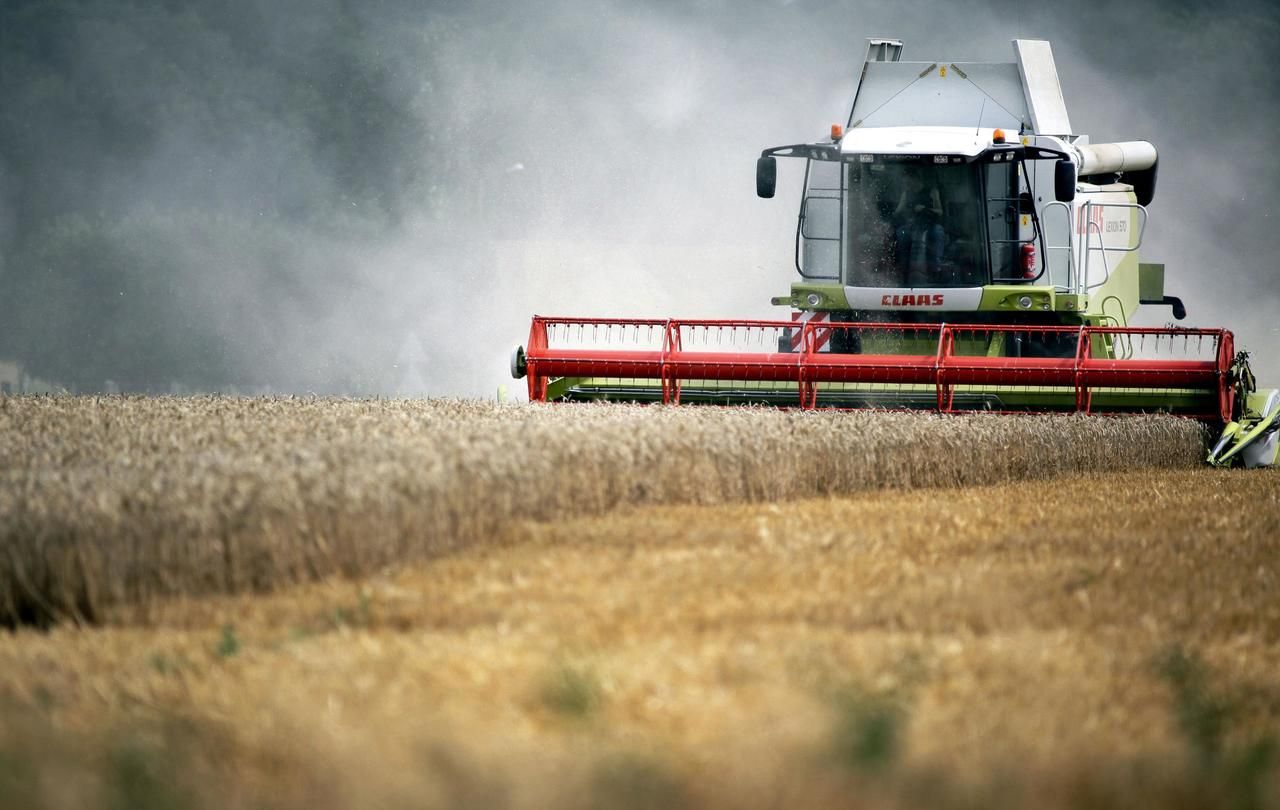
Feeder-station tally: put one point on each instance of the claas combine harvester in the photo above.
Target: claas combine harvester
(960, 248)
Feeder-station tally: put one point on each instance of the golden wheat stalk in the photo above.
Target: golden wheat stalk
(119, 500)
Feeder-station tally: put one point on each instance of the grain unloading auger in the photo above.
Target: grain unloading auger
(959, 248)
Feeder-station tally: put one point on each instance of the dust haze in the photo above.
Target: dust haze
(373, 198)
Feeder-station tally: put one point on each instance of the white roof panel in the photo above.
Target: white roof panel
(966, 141)
(931, 94)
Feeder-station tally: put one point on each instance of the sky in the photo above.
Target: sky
(575, 158)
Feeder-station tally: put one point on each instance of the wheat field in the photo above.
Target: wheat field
(527, 607)
(113, 501)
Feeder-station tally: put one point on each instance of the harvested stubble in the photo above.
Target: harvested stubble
(108, 502)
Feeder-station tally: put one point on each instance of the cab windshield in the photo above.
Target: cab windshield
(914, 225)
(894, 224)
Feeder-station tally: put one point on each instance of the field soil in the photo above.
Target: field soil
(1080, 640)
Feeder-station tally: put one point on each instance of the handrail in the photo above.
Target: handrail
(1070, 246)
(1090, 226)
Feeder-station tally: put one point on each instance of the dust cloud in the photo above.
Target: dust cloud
(374, 198)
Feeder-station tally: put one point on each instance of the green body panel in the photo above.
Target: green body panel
(1005, 298)
(559, 388)
(1150, 281)
(1254, 425)
(995, 298)
(831, 297)
(1116, 300)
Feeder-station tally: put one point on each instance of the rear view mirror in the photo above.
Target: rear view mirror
(1064, 181)
(766, 176)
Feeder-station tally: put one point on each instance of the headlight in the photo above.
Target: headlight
(814, 299)
(1025, 302)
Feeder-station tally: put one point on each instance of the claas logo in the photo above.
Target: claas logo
(934, 300)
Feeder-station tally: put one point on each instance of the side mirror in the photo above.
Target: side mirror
(766, 176)
(1064, 181)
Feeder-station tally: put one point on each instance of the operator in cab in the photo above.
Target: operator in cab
(920, 238)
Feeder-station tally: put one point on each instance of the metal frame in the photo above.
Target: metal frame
(830, 153)
(1070, 246)
(801, 238)
(1091, 228)
(1037, 232)
(671, 364)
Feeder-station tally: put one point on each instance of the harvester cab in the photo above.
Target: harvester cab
(959, 247)
(961, 188)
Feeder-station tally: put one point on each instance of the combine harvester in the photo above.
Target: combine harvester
(960, 249)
